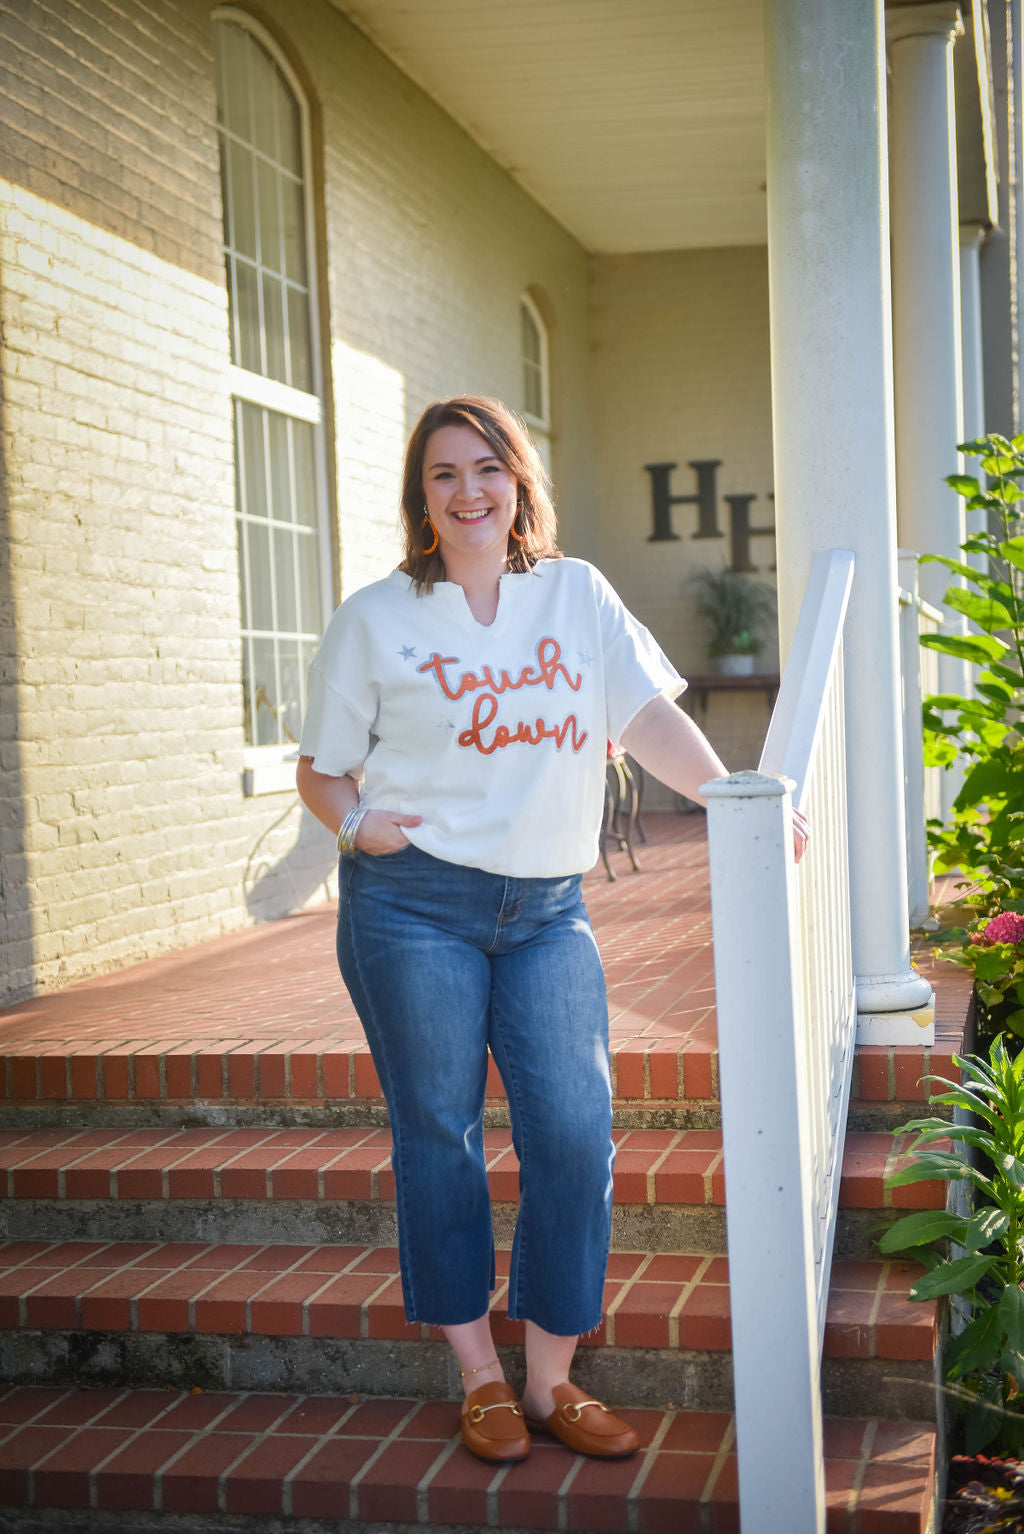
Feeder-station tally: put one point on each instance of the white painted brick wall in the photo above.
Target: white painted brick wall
(123, 828)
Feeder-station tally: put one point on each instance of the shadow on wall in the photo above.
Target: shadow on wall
(17, 939)
(308, 869)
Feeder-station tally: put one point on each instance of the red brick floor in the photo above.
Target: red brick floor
(262, 1014)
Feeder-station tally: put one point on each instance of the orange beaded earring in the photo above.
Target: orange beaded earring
(519, 537)
(427, 523)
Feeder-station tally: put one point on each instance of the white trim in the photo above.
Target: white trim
(256, 389)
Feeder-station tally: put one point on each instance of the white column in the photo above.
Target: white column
(927, 354)
(972, 237)
(828, 249)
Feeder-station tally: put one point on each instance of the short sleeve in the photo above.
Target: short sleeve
(636, 670)
(334, 734)
(342, 704)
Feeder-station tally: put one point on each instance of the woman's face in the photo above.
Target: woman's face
(470, 494)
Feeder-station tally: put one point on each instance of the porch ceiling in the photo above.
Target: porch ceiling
(639, 126)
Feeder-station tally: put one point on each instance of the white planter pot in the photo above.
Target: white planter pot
(736, 665)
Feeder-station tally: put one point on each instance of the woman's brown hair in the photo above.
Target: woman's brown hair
(509, 440)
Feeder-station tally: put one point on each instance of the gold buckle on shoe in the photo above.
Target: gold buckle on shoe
(478, 1413)
(573, 1410)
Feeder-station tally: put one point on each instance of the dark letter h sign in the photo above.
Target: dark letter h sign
(705, 500)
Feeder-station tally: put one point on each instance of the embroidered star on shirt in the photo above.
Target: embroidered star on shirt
(406, 652)
(585, 658)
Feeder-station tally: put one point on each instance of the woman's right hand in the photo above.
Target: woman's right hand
(380, 831)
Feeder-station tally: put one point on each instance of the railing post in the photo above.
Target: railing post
(766, 1141)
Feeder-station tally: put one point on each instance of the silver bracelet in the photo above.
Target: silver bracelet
(349, 826)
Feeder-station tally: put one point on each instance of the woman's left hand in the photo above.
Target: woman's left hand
(801, 834)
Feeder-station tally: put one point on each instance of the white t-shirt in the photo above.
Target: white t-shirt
(496, 734)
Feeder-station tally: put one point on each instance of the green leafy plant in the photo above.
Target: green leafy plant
(735, 607)
(984, 1270)
(983, 732)
(984, 839)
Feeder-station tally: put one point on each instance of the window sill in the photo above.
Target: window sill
(269, 770)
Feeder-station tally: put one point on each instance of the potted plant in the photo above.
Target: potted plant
(736, 609)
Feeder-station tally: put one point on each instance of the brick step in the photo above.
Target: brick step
(331, 1317)
(274, 1184)
(866, 1114)
(666, 1082)
(184, 1463)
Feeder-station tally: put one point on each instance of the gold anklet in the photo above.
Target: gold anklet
(479, 1368)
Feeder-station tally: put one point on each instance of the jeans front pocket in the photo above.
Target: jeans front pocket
(396, 852)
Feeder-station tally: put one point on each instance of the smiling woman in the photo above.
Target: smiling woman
(456, 741)
(483, 467)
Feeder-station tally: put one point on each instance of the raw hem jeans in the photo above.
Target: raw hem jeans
(441, 962)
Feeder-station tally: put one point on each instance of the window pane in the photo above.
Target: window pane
(243, 212)
(265, 88)
(264, 210)
(293, 229)
(532, 342)
(234, 92)
(280, 470)
(307, 649)
(246, 293)
(284, 579)
(290, 697)
(309, 583)
(533, 390)
(270, 219)
(305, 483)
(273, 328)
(254, 496)
(298, 336)
(289, 147)
(264, 692)
(260, 606)
(531, 335)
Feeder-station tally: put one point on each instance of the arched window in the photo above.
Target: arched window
(536, 391)
(280, 502)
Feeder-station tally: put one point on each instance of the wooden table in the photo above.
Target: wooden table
(699, 687)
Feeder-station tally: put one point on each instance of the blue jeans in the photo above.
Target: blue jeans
(441, 962)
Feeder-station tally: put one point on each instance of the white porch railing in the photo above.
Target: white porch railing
(919, 669)
(786, 1030)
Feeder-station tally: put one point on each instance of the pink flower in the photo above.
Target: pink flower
(1007, 927)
